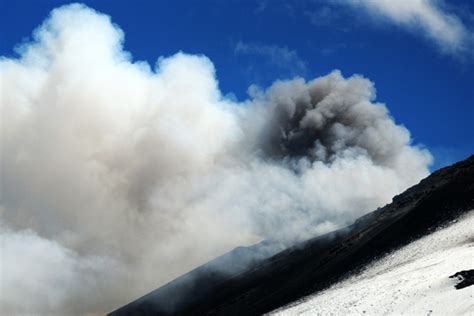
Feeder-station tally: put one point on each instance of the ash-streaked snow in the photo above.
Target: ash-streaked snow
(411, 280)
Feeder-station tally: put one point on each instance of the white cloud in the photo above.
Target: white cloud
(117, 177)
(425, 16)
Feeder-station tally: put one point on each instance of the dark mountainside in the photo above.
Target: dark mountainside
(261, 282)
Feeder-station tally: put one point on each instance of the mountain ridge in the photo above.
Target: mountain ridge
(265, 284)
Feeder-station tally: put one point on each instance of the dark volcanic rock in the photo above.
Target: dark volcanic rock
(260, 286)
(466, 277)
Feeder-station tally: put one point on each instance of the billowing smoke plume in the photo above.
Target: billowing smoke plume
(117, 177)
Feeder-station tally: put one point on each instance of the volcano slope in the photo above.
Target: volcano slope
(412, 280)
(261, 281)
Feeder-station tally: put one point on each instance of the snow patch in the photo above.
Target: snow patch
(411, 280)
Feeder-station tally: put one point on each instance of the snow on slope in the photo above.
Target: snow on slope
(411, 280)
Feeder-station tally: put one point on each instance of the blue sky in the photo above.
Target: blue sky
(419, 55)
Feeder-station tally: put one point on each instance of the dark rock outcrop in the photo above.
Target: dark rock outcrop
(262, 285)
(466, 277)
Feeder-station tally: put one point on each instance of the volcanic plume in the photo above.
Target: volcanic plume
(118, 172)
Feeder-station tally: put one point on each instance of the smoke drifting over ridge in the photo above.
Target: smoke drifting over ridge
(117, 174)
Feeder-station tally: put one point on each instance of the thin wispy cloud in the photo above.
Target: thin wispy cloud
(282, 57)
(262, 5)
(426, 17)
(321, 16)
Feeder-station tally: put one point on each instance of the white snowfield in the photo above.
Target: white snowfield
(413, 280)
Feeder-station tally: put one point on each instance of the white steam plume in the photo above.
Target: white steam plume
(117, 177)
